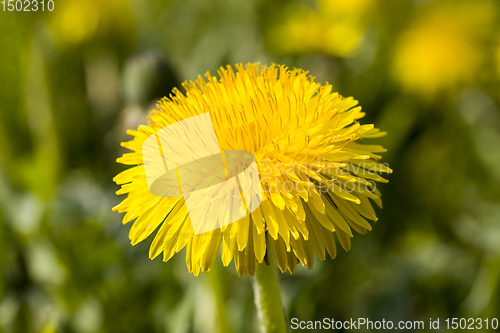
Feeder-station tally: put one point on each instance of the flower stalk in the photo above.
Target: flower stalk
(267, 298)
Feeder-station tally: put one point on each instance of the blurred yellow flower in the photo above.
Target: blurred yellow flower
(497, 55)
(335, 28)
(78, 21)
(313, 172)
(442, 49)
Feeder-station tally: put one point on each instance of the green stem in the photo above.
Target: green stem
(267, 298)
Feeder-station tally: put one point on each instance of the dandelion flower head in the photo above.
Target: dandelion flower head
(441, 50)
(316, 175)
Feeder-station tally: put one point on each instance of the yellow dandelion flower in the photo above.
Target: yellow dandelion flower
(442, 49)
(314, 177)
(336, 28)
(79, 21)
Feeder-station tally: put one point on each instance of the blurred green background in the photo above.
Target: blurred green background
(74, 79)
